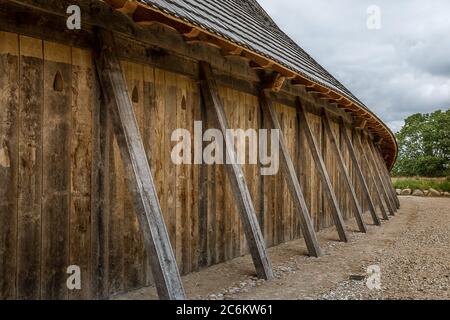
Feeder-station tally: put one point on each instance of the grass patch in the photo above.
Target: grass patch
(440, 184)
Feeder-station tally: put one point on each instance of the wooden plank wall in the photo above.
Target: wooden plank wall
(49, 198)
(46, 138)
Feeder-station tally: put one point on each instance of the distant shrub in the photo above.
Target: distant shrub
(423, 184)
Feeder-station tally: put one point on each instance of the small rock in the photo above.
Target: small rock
(406, 192)
(398, 191)
(418, 193)
(434, 193)
(446, 194)
(357, 277)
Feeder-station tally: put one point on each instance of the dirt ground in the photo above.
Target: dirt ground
(412, 251)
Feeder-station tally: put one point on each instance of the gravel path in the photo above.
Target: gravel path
(411, 250)
(416, 265)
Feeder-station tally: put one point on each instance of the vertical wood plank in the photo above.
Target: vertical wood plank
(252, 230)
(203, 182)
(373, 177)
(116, 219)
(328, 188)
(386, 174)
(377, 170)
(102, 180)
(152, 145)
(81, 168)
(292, 180)
(139, 176)
(9, 141)
(170, 187)
(30, 169)
(359, 173)
(56, 169)
(346, 177)
(134, 271)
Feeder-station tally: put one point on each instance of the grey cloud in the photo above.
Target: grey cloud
(399, 70)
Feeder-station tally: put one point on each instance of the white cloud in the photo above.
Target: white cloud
(399, 70)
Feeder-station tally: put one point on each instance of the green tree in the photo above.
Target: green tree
(424, 145)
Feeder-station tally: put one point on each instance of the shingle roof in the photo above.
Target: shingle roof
(248, 26)
(245, 23)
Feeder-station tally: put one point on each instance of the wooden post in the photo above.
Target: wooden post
(386, 174)
(372, 177)
(376, 174)
(239, 186)
(345, 174)
(139, 177)
(385, 188)
(328, 188)
(292, 181)
(360, 175)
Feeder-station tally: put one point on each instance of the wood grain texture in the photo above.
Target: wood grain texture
(56, 170)
(345, 173)
(377, 172)
(328, 188)
(30, 169)
(362, 179)
(249, 220)
(292, 181)
(81, 170)
(139, 176)
(9, 158)
(385, 173)
(372, 176)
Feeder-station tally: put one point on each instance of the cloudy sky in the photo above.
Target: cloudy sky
(397, 70)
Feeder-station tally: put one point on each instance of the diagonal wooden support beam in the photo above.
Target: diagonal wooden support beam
(371, 176)
(344, 171)
(384, 188)
(386, 173)
(139, 177)
(239, 186)
(360, 175)
(320, 164)
(292, 181)
(376, 173)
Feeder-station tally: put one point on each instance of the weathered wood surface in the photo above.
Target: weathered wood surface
(9, 141)
(385, 173)
(293, 183)
(30, 169)
(345, 173)
(372, 175)
(83, 99)
(377, 170)
(140, 180)
(56, 178)
(110, 249)
(359, 172)
(328, 188)
(241, 192)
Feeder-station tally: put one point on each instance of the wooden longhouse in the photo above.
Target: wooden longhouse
(86, 119)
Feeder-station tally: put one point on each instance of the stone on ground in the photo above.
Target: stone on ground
(434, 193)
(406, 192)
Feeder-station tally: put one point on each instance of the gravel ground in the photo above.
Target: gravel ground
(411, 250)
(416, 265)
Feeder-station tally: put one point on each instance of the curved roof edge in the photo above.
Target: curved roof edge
(260, 40)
